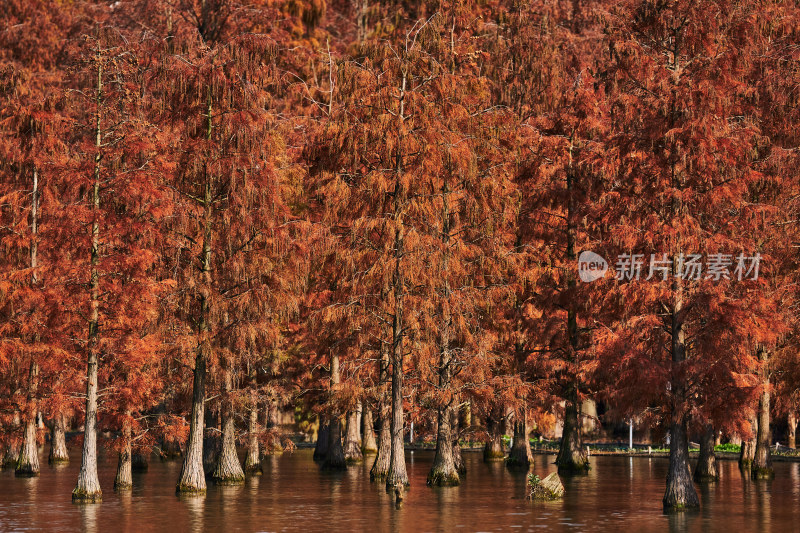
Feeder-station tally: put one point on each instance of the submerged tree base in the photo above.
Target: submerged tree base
(228, 481)
(81, 496)
(574, 468)
(189, 490)
(491, 456)
(762, 473)
(26, 470)
(444, 479)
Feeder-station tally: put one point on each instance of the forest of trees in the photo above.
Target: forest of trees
(216, 211)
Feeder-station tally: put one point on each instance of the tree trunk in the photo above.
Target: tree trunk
(334, 459)
(458, 460)
(28, 461)
(368, 444)
(706, 469)
(140, 460)
(58, 441)
(252, 464)
(352, 446)
(762, 460)
(397, 478)
(124, 478)
(88, 486)
(397, 461)
(572, 455)
(192, 477)
(792, 423)
(680, 494)
(380, 468)
(443, 472)
(229, 470)
(520, 455)
(323, 437)
(494, 449)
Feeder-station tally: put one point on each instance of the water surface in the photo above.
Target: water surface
(619, 494)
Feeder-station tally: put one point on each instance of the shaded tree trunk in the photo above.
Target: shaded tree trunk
(572, 454)
(706, 469)
(58, 441)
(494, 449)
(252, 463)
(520, 454)
(334, 459)
(380, 468)
(124, 478)
(443, 472)
(323, 437)
(369, 445)
(229, 470)
(140, 460)
(680, 493)
(762, 460)
(352, 445)
(458, 460)
(792, 423)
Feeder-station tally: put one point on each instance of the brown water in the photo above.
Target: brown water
(620, 494)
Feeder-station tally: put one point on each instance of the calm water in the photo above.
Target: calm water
(620, 494)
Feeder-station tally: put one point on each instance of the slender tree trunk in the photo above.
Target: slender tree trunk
(458, 460)
(762, 460)
(572, 455)
(229, 470)
(323, 437)
(706, 469)
(192, 477)
(520, 454)
(792, 423)
(352, 445)
(494, 449)
(58, 441)
(680, 493)
(369, 445)
(28, 461)
(380, 468)
(397, 478)
(88, 486)
(252, 464)
(334, 459)
(124, 478)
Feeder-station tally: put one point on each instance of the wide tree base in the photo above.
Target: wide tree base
(229, 479)
(122, 485)
(705, 478)
(763, 473)
(189, 490)
(369, 451)
(573, 468)
(680, 507)
(443, 479)
(492, 456)
(58, 460)
(26, 470)
(82, 496)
